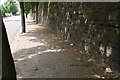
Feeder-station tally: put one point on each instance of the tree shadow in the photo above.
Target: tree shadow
(54, 51)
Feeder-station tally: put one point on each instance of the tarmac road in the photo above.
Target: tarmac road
(12, 25)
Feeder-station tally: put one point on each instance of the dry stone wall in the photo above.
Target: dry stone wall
(94, 27)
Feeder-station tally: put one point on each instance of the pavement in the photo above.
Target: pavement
(39, 53)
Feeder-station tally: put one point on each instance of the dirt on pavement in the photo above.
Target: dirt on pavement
(39, 53)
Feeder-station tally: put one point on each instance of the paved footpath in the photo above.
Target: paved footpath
(39, 53)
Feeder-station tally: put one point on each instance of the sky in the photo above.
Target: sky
(2, 1)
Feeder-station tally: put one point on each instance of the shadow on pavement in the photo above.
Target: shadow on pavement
(49, 56)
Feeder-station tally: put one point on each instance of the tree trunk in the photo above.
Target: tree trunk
(36, 6)
(26, 15)
(118, 39)
(119, 36)
(8, 67)
(22, 17)
(118, 48)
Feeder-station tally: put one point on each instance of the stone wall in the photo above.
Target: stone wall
(91, 26)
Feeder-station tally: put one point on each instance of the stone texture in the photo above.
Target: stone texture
(88, 25)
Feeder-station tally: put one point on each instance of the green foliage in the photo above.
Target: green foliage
(8, 7)
(2, 10)
(13, 7)
(28, 6)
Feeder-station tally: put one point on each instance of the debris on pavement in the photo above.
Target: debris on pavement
(49, 56)
(96, 76)
(78, 59)
(108, 70)
(91, 60)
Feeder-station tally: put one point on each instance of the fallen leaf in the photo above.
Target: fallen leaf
(97, 76)
(71, 44)
(36, 69)
(103, 77)
(91, 60)
(108, 70)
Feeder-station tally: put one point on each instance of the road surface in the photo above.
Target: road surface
(12, 25)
